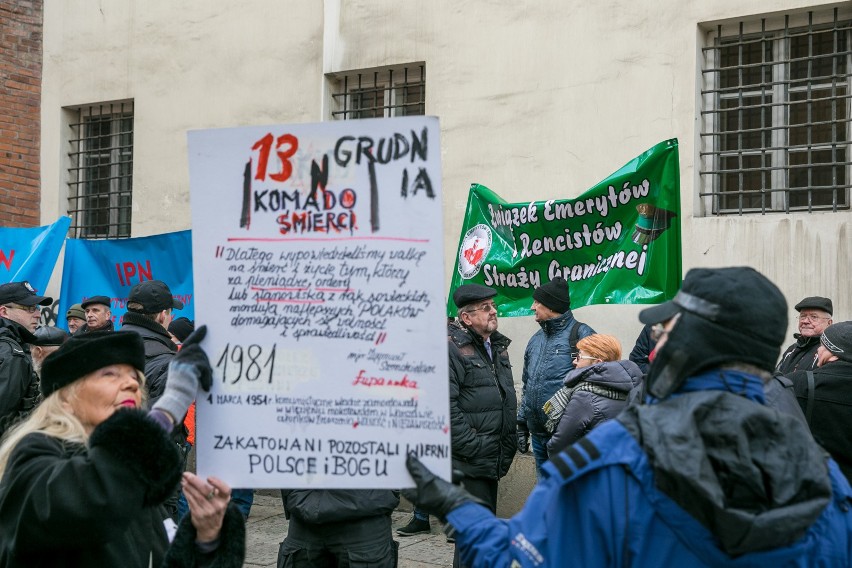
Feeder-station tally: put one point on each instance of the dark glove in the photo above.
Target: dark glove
(432, 494)
(187, 370)
(523, 437)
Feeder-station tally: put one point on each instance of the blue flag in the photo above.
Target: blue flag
(30, 254)
(112, 267)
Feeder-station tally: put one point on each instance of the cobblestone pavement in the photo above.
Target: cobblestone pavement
(266, 528)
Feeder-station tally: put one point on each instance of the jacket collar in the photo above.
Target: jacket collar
(16, 330)
(557, 324)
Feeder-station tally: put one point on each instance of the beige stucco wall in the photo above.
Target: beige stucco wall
(536, 100)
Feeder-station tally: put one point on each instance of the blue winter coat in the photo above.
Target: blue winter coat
(547, 360)
(773, 499)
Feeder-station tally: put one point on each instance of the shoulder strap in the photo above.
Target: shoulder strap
(809, 409)
(573, 336)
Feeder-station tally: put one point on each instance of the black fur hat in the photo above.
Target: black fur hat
(83, 354)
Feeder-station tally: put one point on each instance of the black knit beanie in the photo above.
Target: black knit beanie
(554, 295)
(83, 354)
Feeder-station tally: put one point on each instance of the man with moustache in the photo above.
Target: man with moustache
(98, 314)
(483, 405)
(20, 312)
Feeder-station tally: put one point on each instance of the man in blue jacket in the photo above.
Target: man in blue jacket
(703, 474)
(547, 360)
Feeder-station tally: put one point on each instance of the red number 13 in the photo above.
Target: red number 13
(264, 145)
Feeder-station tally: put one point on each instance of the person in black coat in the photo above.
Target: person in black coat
(20, 312)
(826, 396)
(83, 478)
(338, 527)
(814, 317)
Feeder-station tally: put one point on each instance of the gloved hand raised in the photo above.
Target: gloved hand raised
(432, 494)
(189, 368)
(523, 437)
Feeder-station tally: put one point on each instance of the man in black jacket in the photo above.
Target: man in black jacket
(149, 313)
(98, 314)
(483, 404)
(826, 395)
(814, 316)
(338, 527)
(19, 315)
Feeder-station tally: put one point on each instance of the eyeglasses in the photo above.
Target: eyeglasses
(812, 318)
(577, 356)
(484, 308)
(28, 309)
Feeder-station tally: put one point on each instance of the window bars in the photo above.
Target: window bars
(395, 91)
(776, 117)
(101, 171)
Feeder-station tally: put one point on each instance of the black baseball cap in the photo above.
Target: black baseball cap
(154, 296)
(22, 293)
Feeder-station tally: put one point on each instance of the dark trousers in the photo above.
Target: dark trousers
(485, 489)
(353, 543)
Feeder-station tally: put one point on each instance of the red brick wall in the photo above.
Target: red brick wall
(20, 105)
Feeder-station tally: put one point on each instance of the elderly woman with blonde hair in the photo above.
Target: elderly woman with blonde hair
(595, 391)
(82, 479)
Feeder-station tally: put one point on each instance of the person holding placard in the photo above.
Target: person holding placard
(82, 480)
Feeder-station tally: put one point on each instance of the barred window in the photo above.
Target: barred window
(776, 115)
(101, 173)
(376, 93)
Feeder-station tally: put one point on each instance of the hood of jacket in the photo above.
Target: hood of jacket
(620, 376)
(754, 477)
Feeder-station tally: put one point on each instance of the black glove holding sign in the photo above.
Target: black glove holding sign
(189, 369)
(433, 494)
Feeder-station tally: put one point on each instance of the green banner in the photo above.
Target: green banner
(618, 243)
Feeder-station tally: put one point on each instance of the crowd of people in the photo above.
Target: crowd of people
(705, 446)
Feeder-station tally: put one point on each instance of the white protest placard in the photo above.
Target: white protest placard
(317, 255)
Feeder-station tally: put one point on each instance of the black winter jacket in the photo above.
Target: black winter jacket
(643, 347)
(799, 357)
(110, 326)
(320, 506)
(159, 351)
(19, 392)
(483, 404)
(65, 504)
(831, 416)
(599, 394)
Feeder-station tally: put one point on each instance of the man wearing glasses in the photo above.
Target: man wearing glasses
(814, 316)
(19, 316)
(483, 404)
